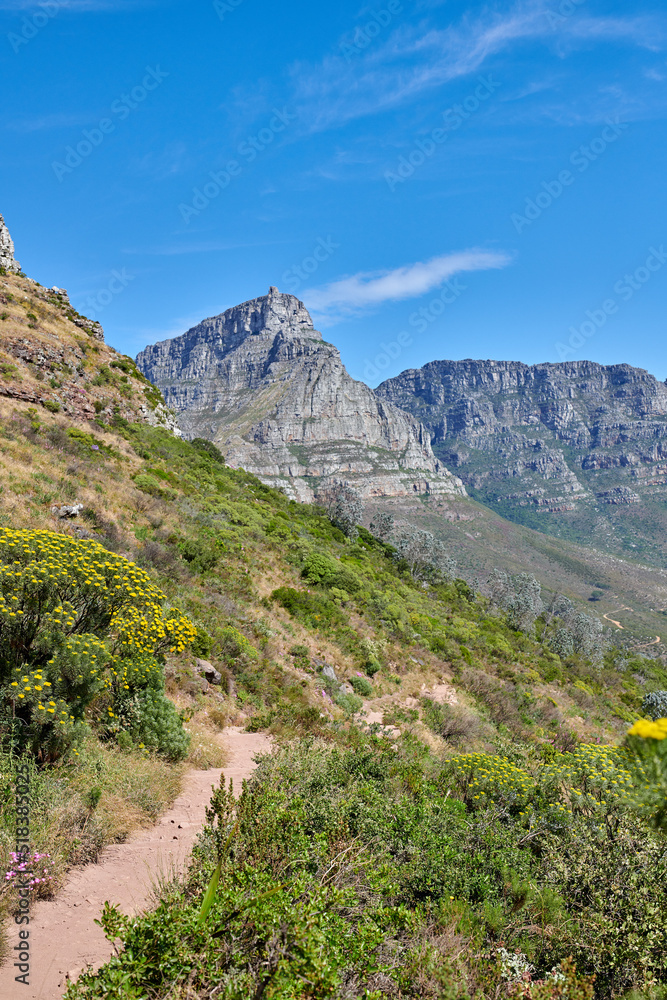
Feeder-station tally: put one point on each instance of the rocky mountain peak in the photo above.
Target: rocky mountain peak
(274, 315)
(260, 382)
(7, 260)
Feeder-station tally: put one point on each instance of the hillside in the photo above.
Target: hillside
(54, 357)
(261, 383)
(422, 811)
(575, 450)
(629, 595)
(285, 603)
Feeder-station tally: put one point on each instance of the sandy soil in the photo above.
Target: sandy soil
(63, 936)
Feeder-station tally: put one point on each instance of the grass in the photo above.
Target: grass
(134, 789)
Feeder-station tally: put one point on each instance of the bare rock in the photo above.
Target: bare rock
(7, 259)
(67, 510)
(541, 436)
(260, 382)
(161, 416)
(206, 668)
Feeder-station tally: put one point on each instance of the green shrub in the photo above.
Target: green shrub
(350, 703)
(152, 486)
(203, 643)
(310, 609)
(361, 685)
(71, 615)
(654, 705)
(234, 645)
(209, 449)
(321, 568)
(152, 720)
(201, 553)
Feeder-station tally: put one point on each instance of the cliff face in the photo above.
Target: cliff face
(542, 434)
(261, 383)
(7, 260)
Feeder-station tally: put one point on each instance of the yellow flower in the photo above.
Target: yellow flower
(649, 730)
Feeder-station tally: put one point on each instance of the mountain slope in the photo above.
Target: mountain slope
(576, 449)
(55, 358)
(260, 382)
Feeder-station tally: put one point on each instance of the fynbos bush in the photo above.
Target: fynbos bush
(72, 615)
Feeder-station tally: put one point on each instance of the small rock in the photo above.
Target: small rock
(206, 668)
(67, 510)
(83, 532)
(346, 688)
(61, 292)
(329, 672)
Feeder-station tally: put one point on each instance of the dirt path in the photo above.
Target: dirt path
(613, 620)
(63, 936)
(654, 642)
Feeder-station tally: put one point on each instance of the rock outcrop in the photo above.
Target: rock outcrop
(260, 382)
(536, 435)
(7, 260)
(46, 360)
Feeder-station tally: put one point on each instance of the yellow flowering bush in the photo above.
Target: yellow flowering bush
(647, 746)
(72, 615)
(592, 780)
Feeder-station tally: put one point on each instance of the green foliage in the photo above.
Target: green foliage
(149, 484)
(321, 568)
(209, 449)
(562, 983)
(654, 705)
(310, 609)
(357, 866)
(235, 646)
(201, 553)
(152, 722)
(203, 643)
(361, 685)
(88, 441)
(350, 703)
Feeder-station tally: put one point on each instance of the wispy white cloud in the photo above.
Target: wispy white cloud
(645, 31)
(373, 288)
(417, 58)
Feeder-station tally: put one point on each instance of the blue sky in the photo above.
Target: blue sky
(434, 179)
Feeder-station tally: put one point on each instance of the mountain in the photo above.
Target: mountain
(576, 449)
(260, 382)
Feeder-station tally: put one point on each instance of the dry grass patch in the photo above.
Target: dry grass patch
(206, 750)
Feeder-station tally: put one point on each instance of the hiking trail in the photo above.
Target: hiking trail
(64, 938)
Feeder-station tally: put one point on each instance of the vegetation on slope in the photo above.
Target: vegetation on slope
(408, 859)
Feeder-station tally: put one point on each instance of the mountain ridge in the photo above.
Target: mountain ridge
(263, 385)
(572, 439)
